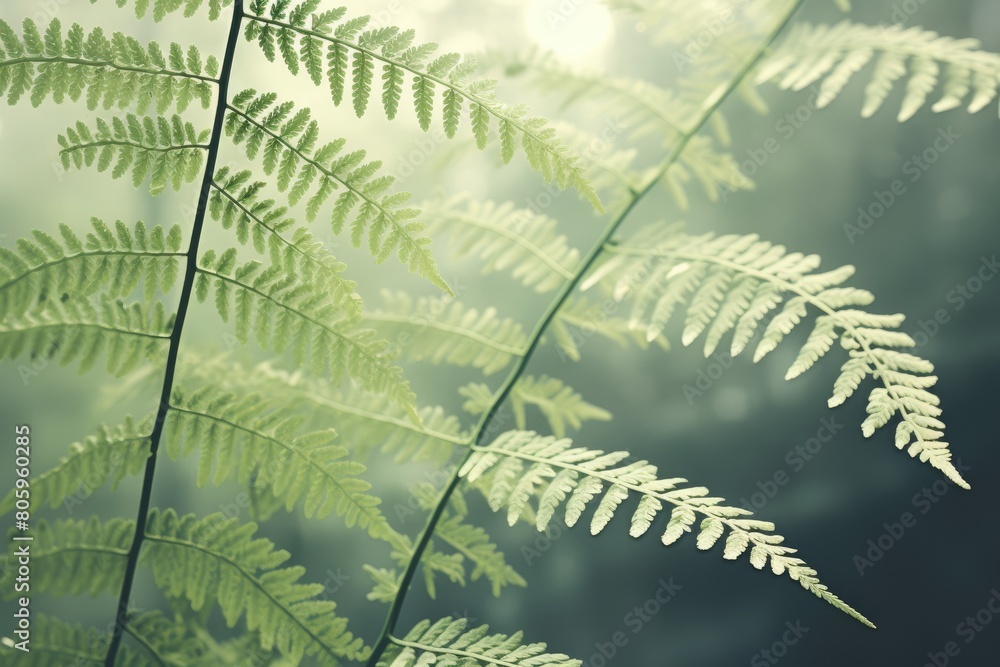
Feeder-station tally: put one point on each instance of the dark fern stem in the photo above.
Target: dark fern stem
(121, 618)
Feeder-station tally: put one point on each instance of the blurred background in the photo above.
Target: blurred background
(737, 436)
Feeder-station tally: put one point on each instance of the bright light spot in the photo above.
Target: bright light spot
(463, 42)
(572, 29)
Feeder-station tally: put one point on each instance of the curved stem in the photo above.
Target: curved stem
(121, 619)
(712, 105)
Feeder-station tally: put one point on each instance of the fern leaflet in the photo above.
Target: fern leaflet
(448, 642)
(118, 71)
(836, 53)
(288, 145)
(354, 52)
(731, 283)
(523, 464)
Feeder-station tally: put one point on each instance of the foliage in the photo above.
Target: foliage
(333, 361)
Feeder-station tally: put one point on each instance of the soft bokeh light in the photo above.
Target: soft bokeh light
(573, 30)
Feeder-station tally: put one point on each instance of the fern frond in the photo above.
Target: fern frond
(109, 455)
(471, 541)
(354, 53)
(505, 238)
(76, 331)
(732, 283)
(287, 143)
(643, 109)
(119, 71)
(234, 202)
(523, 464)
(284, 312)
(162, 642)
(365, 420)
(432, 562)
(248, 437)
(580, 319)
(446, 331)
(166, 151)
(162, 8)
(834, 54)
(561, 405)
(42, 267)
(242, 574)
(449, 642)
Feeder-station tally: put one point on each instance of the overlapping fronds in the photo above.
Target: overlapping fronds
(250, 437)
(162, 8)
(471, 541)
(285, 312)
(108, 456)
(353, 53)
(75, 330)
(244, 575)
(580, 319)
(161, 642)
(505, 238)
(523, 465)
(235, 203)
(641, 109)
(42, 267)
(166, 151)
(365, 420)
(449, 642)
(287, 142)
(561, 405)
(116, 71)
(834, 54)
(207, 561)
(443, 330)
(732, 283)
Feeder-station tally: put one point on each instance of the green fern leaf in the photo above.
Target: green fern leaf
(352, 47)
(446, 331)
(365, 203)
(235, 203)
(833, 54)
(561, 405)
(365, 420)
(283, 312)
(250, 437)
(504, 238)
(76, 331)
(243, 575)
(167, 152)
(448, 641)
(42, 267)
(731, 283)
(117, 72)
(522, 464)
(110, 455)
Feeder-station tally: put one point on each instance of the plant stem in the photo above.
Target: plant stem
(121, 619)
(482, 427)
